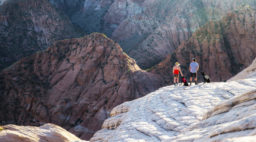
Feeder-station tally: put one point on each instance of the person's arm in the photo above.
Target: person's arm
(197, 67)
(172, 69)
(189, 67)
(180, 71)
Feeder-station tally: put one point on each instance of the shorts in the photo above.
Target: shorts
(175, 75)
(193, 74)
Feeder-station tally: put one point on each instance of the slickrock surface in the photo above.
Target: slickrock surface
(232, 120)
(74, 83)
(205, 112)
(45, 133)
(27, 26)
(222, 48)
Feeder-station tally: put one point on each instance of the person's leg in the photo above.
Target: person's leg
(196, 78)
(178, 78)
(174, 80)
(191, 78)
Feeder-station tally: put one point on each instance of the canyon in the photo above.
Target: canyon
(50, 72)
(74, 83)
(222, 48)
(148, 30)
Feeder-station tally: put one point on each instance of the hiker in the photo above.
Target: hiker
(176, 71)
(193, 68)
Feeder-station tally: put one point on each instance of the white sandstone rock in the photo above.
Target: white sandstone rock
(45, 133)
(224, 111)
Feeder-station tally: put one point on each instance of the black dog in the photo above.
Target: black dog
(206, 78)
(184, 81)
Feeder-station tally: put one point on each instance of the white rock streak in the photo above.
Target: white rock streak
(177, 114)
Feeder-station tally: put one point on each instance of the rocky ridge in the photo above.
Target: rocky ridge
(28, 26)
(74, 83)
(45, 133)
(222, 48)
(205, 112)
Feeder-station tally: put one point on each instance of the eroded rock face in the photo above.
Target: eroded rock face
(47, 132)
(27, 26)
(164, 69)
(246, 73)
(148, 30)
(222, 48)
(153, 29)
(86, 14)
(74, 83)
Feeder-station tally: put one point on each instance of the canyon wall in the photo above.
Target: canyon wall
(222, 48)
(74, 83)
(28, 26)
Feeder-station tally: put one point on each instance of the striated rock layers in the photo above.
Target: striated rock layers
(174, 22)
(86, 14)
(148, 30)
(45, 133)
(74, 84)
(27, 26)
(223, 48)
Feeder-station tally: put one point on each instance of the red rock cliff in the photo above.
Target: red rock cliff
(74, 83)
(223, 48)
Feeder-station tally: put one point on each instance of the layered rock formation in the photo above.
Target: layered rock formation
(202, 113)
(148, 30)
(222, 48)
(27, 26)
(74, 83)
(86, 14)
(45, 133)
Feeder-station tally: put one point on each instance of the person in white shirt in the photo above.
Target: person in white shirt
(193, 68)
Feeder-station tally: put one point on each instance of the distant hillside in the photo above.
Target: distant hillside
(28, 26)
(147, 30)
(223, 48)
